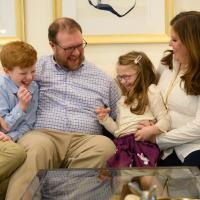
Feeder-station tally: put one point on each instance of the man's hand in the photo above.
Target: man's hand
(102, 112)
(24, 97)
(4, 137)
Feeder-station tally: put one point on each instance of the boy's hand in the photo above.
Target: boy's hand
(24, 97)
(3, 124)
(102, 112)
(4, 137)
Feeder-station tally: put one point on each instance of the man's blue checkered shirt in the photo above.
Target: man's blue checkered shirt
(68, 99)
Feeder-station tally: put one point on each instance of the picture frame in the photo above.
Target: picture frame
(11, 21)
(148, 36)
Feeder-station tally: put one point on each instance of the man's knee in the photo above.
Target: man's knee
(106, 146)
(40, 149)
(38, 142)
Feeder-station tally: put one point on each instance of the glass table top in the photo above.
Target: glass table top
(115, 184)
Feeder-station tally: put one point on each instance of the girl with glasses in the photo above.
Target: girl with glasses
(140, 101)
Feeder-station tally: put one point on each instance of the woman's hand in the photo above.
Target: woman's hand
(144, 123)
(147, 133)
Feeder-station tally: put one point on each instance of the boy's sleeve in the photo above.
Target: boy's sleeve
(16, 135)
(11, 116)
(16, 118)
(28, 123)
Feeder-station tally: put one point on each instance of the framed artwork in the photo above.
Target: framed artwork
(11, 20)
(121, 21)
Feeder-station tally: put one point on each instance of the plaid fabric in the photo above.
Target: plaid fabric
(68, 99)
(75, 185)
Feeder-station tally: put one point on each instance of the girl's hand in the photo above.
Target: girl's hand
(4, 137)
(102, 112)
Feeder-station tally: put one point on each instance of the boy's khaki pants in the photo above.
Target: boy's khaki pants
(3, 188)
(51, 149)
(12, 155)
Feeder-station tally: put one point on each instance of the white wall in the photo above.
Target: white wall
(38, 16)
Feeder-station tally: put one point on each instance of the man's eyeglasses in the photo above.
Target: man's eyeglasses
(125, 77)
(71, 49)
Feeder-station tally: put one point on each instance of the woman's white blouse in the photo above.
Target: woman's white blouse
(184, 111)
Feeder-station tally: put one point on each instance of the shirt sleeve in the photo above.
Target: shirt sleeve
(158, 109)
(17, 134)
(109, 124)
(185, 134)
(15, 117)
(11, 115)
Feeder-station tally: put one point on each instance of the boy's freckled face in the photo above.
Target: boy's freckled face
(22, 76)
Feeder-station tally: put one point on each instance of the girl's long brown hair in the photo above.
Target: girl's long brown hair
(187, 27)
(137, 97)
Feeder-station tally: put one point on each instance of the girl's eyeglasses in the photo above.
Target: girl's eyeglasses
(125, 77)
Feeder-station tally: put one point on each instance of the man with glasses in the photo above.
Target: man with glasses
(67, 133)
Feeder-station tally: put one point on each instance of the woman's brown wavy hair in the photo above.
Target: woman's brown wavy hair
(187, 27)
(137, 97)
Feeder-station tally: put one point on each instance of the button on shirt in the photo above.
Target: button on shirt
(68, 99)
(18, 121)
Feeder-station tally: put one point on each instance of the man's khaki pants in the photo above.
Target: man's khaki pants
(51, 149)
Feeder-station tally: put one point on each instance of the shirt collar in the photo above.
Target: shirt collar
(59, 67)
